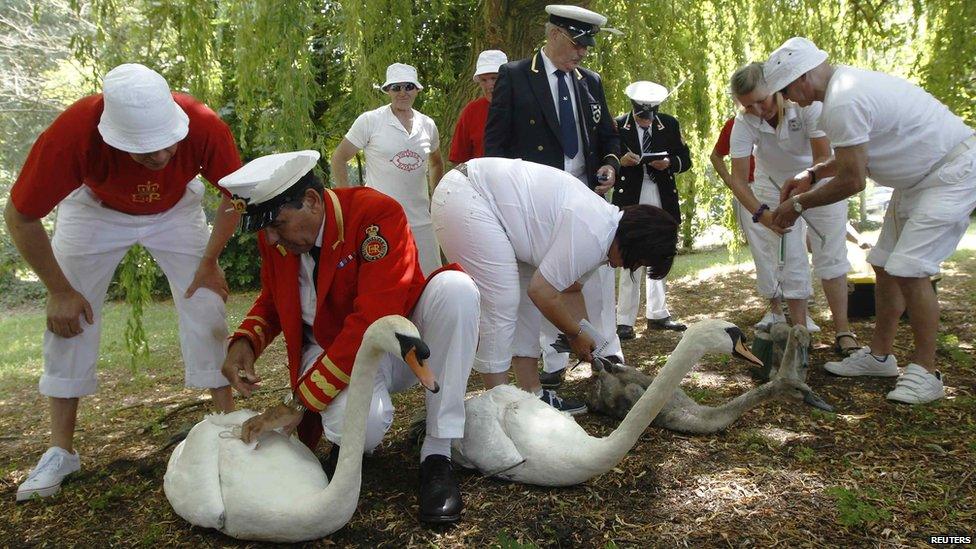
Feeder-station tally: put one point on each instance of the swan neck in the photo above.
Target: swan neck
(681, 361)
(346, 482)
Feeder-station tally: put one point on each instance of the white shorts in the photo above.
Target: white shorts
(89, 242)
(924, 224)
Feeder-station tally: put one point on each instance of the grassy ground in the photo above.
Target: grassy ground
(873, 473)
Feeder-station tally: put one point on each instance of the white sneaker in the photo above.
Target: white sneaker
(45, 479)
(917, 386)
(862, 363)
(812, 326)
(768, 320)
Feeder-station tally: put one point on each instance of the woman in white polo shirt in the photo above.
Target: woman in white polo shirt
(529, 235)
(403, 156)
(785, 141)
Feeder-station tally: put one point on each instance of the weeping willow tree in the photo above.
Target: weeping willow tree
(287, 75)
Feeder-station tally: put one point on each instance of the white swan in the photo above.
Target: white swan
(512, 434)
(278, 491)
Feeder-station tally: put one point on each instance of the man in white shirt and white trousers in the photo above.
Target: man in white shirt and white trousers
(906, 139)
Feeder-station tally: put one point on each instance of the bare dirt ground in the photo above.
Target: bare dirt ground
(872, 474)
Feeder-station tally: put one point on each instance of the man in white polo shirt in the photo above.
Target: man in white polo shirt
(902, 137)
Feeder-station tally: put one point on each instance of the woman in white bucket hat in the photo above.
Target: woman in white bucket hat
(403, 156)
(785, 139)
(123, 166)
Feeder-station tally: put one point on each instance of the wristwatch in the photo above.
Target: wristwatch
(294, 404)
(797, 207)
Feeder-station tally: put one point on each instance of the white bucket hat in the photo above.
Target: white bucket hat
(401, 72)
(140, 115)
(796, 57)
(488, 62)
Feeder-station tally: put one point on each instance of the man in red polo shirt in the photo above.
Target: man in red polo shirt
(469, 133)
(123, 166)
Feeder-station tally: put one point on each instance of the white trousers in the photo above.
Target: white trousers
(790, 278)
(89, 242)
(924, 224)
(628, 295)
(471, 235)
(447, 316)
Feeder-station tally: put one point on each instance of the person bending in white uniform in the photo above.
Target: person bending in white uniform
(785, 140)
(906, 139)
(529, 235)
(403, 156)
(122, 167)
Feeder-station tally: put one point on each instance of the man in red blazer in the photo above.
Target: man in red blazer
(332, 262)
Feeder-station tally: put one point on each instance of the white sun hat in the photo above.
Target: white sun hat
(401, 72)
(488, 62)
(646, 93)
(140, 115)
(796, 57)
(259, 188)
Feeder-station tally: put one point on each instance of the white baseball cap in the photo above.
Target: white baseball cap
(401, 72)
(646, 93)
(140, 115)
(489, 61)
(796, 57)
(259, 188)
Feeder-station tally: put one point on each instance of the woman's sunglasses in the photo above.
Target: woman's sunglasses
(402, 87)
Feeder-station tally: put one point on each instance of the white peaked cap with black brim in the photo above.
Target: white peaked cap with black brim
(259, 188)
(581, 23)
(647, 93)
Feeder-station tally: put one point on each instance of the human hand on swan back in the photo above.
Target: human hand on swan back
(287, 415)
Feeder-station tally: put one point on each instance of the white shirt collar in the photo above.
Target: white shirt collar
(318, 239)
(547, 63)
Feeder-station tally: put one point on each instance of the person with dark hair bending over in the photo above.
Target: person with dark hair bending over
(530, 235)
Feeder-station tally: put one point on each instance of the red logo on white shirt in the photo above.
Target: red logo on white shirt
(407, 160)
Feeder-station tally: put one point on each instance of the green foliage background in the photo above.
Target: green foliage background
(295, 74)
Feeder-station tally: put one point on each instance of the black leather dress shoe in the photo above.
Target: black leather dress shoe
(552, 380)
(625, 332)
(440, 495)
(665, 324)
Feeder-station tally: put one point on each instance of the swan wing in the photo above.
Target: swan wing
(192, 479)
(485, 445)
(262, 486)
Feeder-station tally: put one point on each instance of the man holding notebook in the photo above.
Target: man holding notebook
(652, 153)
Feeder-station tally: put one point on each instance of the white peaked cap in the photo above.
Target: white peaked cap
(646, 93)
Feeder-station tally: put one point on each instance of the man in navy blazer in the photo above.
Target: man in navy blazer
(549, 110)
(524, 120)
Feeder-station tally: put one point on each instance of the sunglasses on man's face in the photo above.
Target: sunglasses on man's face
(402, 87)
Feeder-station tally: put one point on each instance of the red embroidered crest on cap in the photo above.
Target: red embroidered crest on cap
(374, 246)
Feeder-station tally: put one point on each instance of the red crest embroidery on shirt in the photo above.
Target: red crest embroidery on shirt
(407, 160)
(147, 193)
(374, 246)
